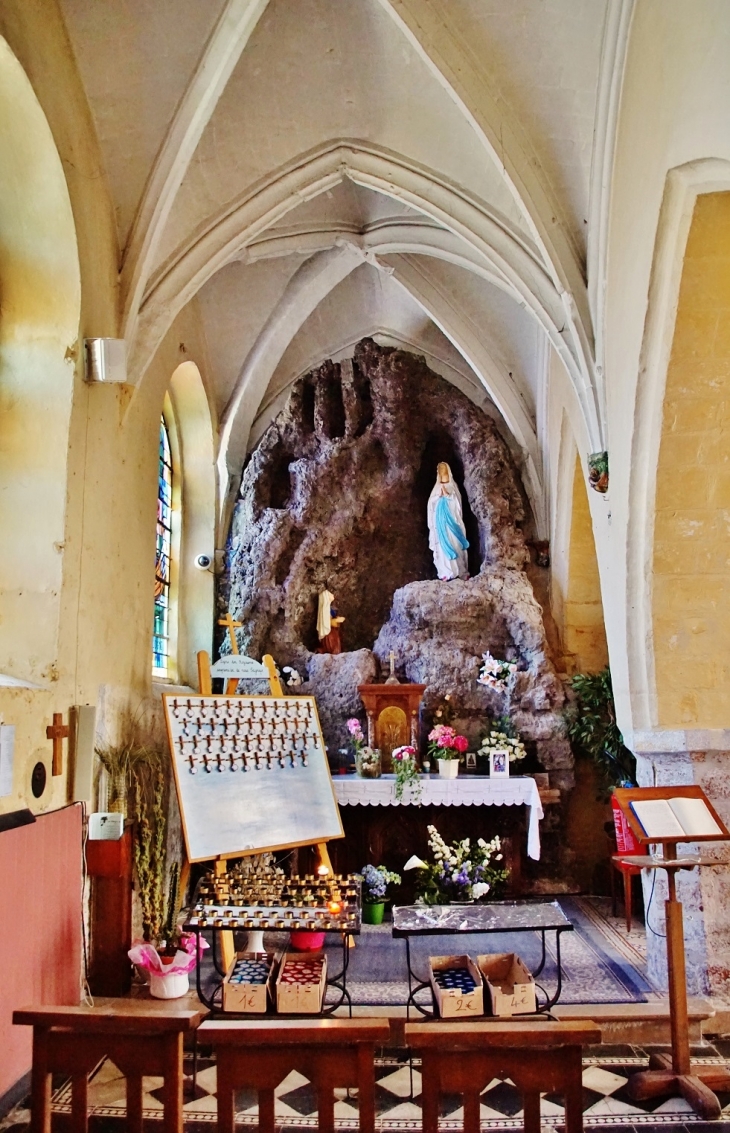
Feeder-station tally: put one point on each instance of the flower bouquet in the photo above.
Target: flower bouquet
(446, 746)
(501, 740)
(460, 872)
(375, 881)
(405, 766)
(495, 673)
(168, 975)
(367, 759)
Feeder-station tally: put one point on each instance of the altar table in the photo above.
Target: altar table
(467, 790)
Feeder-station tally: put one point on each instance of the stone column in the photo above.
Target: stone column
(704, 892)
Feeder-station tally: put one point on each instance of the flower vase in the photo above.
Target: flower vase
(368, 764)
(448, 768)
(372, 912)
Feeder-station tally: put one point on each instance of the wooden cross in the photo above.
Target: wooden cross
(231, 626)
(58, 732)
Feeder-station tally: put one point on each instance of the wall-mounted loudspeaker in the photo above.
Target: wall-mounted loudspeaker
(106, 360)
(81, 745)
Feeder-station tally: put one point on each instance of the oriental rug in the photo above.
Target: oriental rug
(600, 962)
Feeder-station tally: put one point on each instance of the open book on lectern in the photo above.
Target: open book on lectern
(671, 814)
(679, 817)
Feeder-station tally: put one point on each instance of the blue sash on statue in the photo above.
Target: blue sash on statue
(447, 526)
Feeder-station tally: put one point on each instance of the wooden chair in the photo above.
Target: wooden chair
(539, 1057)
(141, 1038)
(616, 838)
(329, 1052)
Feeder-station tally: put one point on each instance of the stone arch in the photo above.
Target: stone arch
(40, 295)
(576, 585)
(228, 235)
(685, 185)
(188, 417)
(690, 617)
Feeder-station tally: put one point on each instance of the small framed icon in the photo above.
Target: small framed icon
(471, 761)
(498, 765)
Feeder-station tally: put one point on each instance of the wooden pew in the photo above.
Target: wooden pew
(539, 1057)
(329, 1052)
(140, 1037)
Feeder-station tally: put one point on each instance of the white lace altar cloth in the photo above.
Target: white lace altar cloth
(469, 790)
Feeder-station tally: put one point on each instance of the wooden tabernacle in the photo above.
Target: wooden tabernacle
(674, 1074)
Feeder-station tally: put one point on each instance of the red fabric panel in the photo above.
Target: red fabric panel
(626, 840)
(40, 936)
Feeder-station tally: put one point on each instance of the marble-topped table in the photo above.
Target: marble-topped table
(498, 916)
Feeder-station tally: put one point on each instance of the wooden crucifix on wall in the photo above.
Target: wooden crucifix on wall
(58, 732)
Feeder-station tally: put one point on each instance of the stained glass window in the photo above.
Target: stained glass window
(161, 632)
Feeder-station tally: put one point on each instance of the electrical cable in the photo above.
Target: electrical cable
(653, 931)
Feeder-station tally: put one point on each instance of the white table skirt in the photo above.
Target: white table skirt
(469, 790)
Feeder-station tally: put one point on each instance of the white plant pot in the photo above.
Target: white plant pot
(171, 986)
(448, 768)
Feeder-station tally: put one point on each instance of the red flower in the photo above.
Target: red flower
(461, 743)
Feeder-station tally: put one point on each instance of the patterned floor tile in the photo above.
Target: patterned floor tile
(398, 1082)
(504, 1098)
(602, 1081)
(303, 1099)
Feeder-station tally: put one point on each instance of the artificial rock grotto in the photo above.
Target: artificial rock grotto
(335, 495)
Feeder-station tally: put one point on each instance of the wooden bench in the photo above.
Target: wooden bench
(328, 1052)
(539, 1057)
(138, 1036)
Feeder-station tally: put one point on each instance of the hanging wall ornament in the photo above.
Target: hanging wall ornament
(598, 472)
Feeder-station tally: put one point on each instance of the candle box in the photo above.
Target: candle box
(301, 983)
(510, 986)
(243, 991)
(455, 1002)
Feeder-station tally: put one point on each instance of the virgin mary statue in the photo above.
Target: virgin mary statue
(446, 532)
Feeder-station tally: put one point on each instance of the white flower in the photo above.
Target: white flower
(479, 889)
(482, 843)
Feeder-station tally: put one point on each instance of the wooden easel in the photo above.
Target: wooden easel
(205, 684)
(674, 1075)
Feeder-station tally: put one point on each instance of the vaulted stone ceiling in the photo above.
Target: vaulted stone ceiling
(305, 172)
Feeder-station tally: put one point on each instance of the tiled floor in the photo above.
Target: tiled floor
(605, 1098)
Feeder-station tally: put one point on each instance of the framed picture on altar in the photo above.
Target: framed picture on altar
(499, 765)
(470, 761)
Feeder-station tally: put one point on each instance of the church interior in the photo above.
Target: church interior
(365, 519)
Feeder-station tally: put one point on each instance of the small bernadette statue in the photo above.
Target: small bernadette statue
(446, 532)
(328, 624)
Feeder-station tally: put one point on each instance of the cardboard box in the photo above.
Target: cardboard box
(510, 986)
(304, 996)
(247, 997)
(451, 1002)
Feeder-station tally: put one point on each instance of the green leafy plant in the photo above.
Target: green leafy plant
(407, 776)
(593, 731)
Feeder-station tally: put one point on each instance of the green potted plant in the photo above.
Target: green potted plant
(375, 881)
(595, 735)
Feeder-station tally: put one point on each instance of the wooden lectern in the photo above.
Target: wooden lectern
(673, 1075)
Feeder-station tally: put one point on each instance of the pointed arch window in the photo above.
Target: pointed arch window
(161, 632)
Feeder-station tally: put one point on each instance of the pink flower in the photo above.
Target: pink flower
(405, 752)
(442, 735)
(461, 743)
(353, 727)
